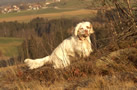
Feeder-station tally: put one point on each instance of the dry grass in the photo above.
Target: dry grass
(81, 74)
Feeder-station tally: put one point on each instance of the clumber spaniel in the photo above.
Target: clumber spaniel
(78, 44)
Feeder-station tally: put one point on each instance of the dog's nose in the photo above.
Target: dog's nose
(86, 31)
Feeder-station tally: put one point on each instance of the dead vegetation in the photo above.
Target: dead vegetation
(118, 69)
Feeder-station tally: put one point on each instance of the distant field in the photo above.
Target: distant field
(63, 6)
(65, 9)
(34, 12)
(9, 46)
(79, 4)
(24, 17)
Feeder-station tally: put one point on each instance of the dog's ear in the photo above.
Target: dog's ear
(77, 29)
(91, 29)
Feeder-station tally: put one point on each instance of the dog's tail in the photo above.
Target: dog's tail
(33, 64)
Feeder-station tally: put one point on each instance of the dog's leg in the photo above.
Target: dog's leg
(33, 64)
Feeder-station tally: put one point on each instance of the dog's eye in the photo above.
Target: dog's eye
(81, 28)
(88, 27)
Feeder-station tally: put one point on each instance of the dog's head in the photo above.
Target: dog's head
(83, 29)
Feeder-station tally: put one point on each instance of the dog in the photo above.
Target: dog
(79, 44)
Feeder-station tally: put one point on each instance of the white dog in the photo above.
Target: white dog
(78, 44)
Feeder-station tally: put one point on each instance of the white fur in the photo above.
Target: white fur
(76, 44)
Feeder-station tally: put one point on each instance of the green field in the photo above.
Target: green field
(79, 4)
(9, 46)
